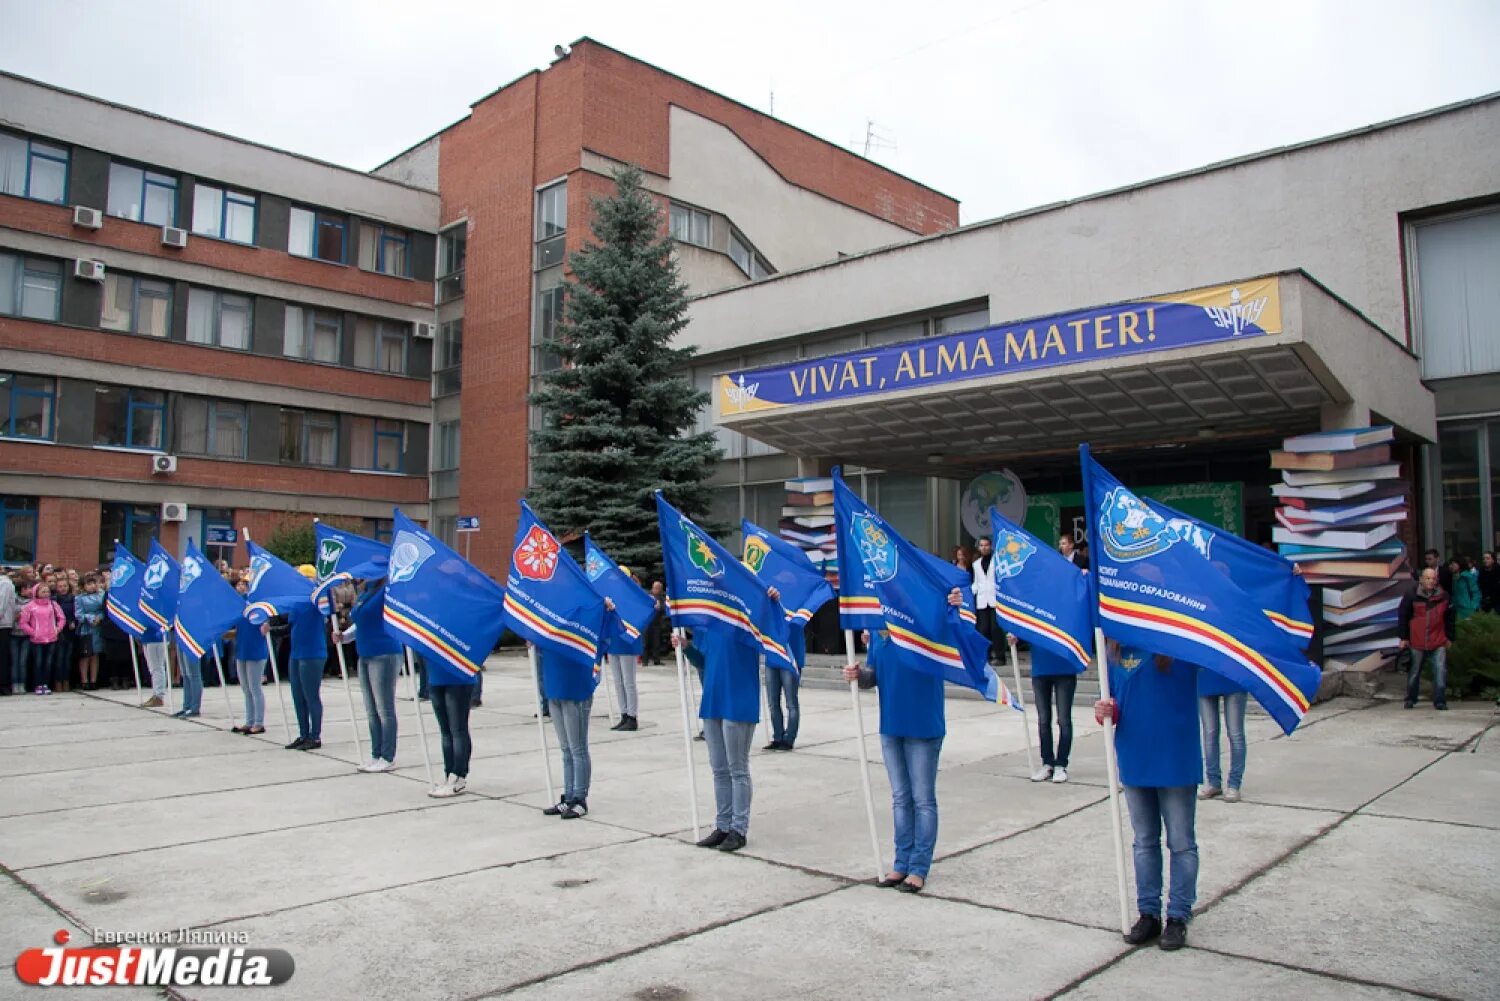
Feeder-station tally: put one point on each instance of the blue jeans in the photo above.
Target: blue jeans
(1151, 808)
(307, 696)
(255, 700)
(420, 666)
(450, 704)
(192, 682)
(912, 764)
(476, 690)
(20, 650)
(570, 718)
(1045, 691)
(377, 682)
(729, 758)
(1439, 660)
(40, 669)
(1234, 726)
(62, 659)
(783, 683)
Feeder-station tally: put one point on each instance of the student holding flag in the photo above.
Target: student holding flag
(379, 667)
(250, 653)
(309, 652)
(633, 609)
(122, 605)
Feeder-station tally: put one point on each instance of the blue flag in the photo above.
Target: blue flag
(123, 603)
(158, 602)
(912, 587)
(1157, 590)
(1263, 575)
(207, 605)
(275, 586)
(548, 599)
(633, 606)
(782, 565)
(1039, 595)
(859, 605)
(441, 605)
(707, 588)
(341, 557)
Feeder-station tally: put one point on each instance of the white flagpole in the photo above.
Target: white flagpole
(687, 729)
(541, 722)
(135, 665)
(606, 670)
(1113, 779)
(276, 679)
(359, 747)
(692, 684)
(1015, 673)
(167, 667)
(864, 763)
(765, 698)
(223, 684)
(411, 685)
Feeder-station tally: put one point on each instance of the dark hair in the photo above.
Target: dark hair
(1432, 552)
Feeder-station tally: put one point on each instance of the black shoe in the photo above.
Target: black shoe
(732, 842)
(1147, 927)
(700, 736)
(1409, 704)
(621, 724)
(556, 811)
(1441, 706)
(311, 744)
(576, 810)
(296, 745)
(1174, 936)
(715, 838)
(476, 703)
(774, 745)
(631, 723)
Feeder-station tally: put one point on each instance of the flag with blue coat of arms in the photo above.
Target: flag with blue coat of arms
(207, 605)
(158, 600)
(1040, 596)
(634, 607)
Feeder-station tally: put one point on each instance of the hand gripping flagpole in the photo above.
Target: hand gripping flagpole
(1111, 767)
(541, 722)
(223, 683)
(411, 686)
(359, 747)
(1015, 672)
(687, 729)
(864, 761)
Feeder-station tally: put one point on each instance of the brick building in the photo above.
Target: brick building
(197, 327)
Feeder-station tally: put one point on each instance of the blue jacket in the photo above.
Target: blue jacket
(911, 701)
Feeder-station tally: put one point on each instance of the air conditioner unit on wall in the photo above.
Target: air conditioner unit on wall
(87, 218)
(92, 271)
(171, 236)
(163, 464)
(174, 511)
(424, 330)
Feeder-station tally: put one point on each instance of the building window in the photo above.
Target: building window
(453, 251)
(136, 305)
(33, 170)
(379, 529)
(142, 195)
(445, 452)
(694, 226)
(1457, 287)
(317, 234)
(134, 525)
(219, 318)
(223, 213)
(380, 345)
(960, 322)
(309, 438)
(17, 529)
(26, 405)
(30, 287)
(448, 370)
(313, 334)
(130, 418)
(211, 427)
(376, 444)
(549, 315)
(385, 250)
(551, 225)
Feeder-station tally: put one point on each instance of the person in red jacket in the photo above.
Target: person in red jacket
(1426, 622)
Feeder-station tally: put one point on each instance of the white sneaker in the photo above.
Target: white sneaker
(381, 765)
(442, 791)
(459, 784)
(1042, 774)
(373, 765)
(1059, 775)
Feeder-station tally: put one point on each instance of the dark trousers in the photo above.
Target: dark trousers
(991, 629)
(43, 655)
(656, 644)
(1044, 690)
(450, 704)
(5, 660)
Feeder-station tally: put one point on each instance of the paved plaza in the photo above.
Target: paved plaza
(1364, 861)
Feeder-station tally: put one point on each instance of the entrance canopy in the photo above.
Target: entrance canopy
(1264, 357)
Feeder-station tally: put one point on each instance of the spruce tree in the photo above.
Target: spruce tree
(618, 415)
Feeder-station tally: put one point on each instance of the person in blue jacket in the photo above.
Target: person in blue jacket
(379, 667)
(1054, 681)
(568, 684)
(1154, 708)
(1217, 693)
(250, 655)
(309, 654)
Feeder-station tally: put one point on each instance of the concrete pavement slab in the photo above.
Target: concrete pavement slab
(1406, 903)
(858, 943)
(1460, 788)
(28, 923)
(1304, 772)
(1387, 724)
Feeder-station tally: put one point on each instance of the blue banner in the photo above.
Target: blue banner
(123, 602)
(707, 588)
(275, 586)
(634, 608)
(802, 586)
(912, 587)
(441, 605)
(207, 605)
(548, 599)
(1157, 591)
(341, 552)
(159, 587)
(1039, 595)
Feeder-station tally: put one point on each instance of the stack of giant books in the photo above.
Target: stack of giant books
(807, 522)
(1342, 500)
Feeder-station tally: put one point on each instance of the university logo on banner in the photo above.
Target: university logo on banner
(594, 565)
(1011, 553)
(330, 551)
(408, 553)
(537, 555)
(156, 573)
(120, 573)
(192, 569)
(701, 554)
(259, 564)
(1131, 531)
(756, 551)
(876, 550)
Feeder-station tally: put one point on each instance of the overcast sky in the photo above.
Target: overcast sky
(1002, 105)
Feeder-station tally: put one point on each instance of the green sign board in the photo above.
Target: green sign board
(1219, 504)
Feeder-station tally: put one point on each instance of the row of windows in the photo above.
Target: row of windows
(127, 417)
(696, 227)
